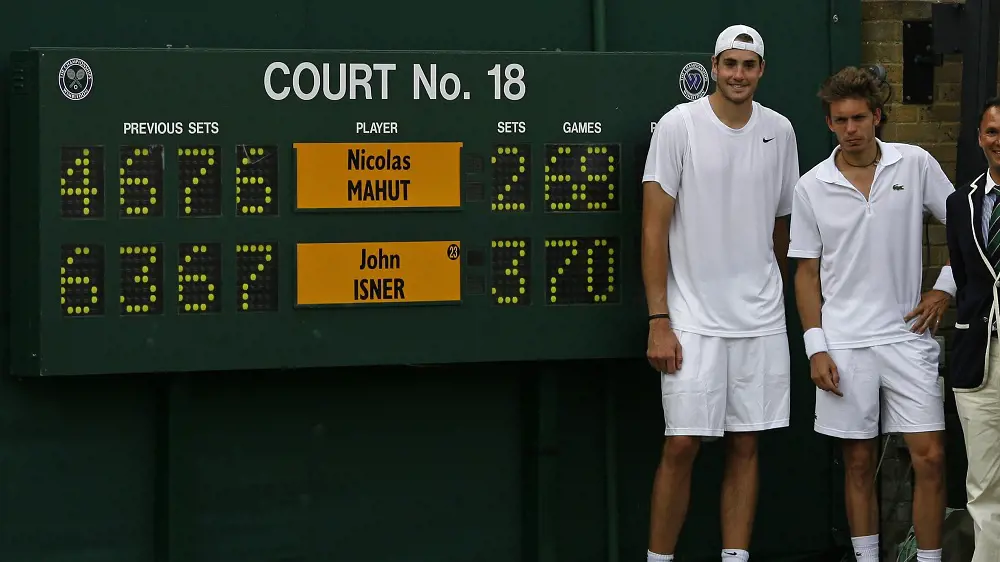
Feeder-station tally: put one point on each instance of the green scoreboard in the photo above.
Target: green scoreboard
(191, 210)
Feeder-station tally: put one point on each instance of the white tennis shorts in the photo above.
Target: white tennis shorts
(911, 397)
(727, 384)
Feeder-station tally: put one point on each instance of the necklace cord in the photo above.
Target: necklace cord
(878, 156)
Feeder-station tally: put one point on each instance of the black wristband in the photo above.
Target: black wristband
(661, 315)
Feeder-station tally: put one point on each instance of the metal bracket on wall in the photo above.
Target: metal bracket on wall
(925, 43)
(919, 60)
(950, 28)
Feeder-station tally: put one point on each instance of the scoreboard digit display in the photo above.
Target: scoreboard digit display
(240, 209)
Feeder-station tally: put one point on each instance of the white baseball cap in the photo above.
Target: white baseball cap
(727, 40)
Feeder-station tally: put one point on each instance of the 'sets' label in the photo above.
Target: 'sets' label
(378, 272)
(378, 175)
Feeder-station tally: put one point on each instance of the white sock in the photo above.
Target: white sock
(929, 555)
(866, 548)
(735, 555)
(654, 557)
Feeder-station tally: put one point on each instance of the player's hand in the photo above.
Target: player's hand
(663, 350)
(824, 373)
(928, 313)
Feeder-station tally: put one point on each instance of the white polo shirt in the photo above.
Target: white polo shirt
(729, 184)
(871, 251)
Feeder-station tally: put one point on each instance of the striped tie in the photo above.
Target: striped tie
(993, 244)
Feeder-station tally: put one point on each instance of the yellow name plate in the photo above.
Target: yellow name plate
(378, 272)
(378, 175)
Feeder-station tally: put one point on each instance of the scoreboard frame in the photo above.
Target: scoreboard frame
(480, 266)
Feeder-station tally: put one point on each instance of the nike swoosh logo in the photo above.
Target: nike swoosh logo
(730, 554)
(769, 140)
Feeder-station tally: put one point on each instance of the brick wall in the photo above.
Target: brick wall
(935, 127)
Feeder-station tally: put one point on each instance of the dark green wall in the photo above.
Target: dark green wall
(461, 463)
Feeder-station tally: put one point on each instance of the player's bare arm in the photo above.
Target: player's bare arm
(781, 240)
(808, 296)
(663, 349)
(936, 301)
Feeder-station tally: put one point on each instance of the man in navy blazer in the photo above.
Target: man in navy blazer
(973, 224)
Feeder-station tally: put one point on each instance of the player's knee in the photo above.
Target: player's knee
(680, 450)
(860, 471)
(928, 459)
(741, 446)
(859, 462)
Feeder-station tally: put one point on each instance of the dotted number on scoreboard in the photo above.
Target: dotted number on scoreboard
(140, 177)
(199, 276)
(257, 277)
(141, 279)
(199, 181)
(582, 270)
(510, 271)
(256, 180)
(582, 177)
(81, 279)
(81, 182)
(511, 167)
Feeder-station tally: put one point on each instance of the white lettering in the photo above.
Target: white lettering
(342, 80)
(421, 79)
(450, 84)
(513, 87)
(153, 128)
(582, 127)
(357, 81)
(297, 81)
(334, 87)
(271, 93)
(456, 86)
(203, 128)
(652, 126)
(383, 70)
(386, 127)
(507, 127)
(170, 128)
